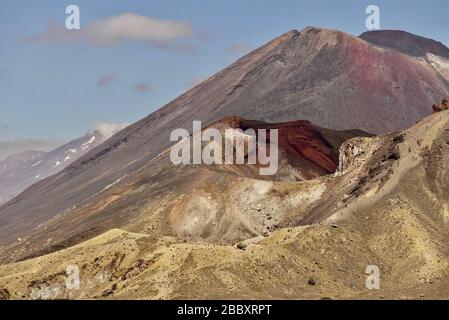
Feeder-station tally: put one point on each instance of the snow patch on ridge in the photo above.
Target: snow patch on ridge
(88, 143)
(37, 163)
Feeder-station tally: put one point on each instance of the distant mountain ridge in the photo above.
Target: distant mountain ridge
(406, 42)
(9, 148)
(19, 171)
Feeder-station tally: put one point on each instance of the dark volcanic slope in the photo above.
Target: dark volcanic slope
(406, 42)
(330, 78)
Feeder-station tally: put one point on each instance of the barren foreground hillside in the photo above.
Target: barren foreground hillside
(387, 205)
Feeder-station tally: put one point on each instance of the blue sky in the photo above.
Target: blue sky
(59, 90)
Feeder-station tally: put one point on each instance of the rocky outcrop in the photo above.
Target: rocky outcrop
(444, 105)
(355, 151)
(4, 294)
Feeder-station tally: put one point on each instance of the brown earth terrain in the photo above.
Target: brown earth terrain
(156, 197)
(387, 205)
(138, 226)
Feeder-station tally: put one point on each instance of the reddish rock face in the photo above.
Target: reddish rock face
(303, 140)
(311, 149)
(444, 105)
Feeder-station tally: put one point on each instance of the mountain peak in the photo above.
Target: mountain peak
(293, 32)
(309, 30)
(315, 29)
(406, 42)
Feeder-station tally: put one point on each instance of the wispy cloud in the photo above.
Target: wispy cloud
(57, 33)
(240, 48)
(107, 79)
(108, 129)
(125, 27)
(130, 26)
(142, 87)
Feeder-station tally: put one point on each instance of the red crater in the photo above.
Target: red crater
(311, 149)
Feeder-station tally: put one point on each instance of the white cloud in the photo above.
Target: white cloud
(107, 130)
(130, 26)
(57, 33)
(124, 27)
